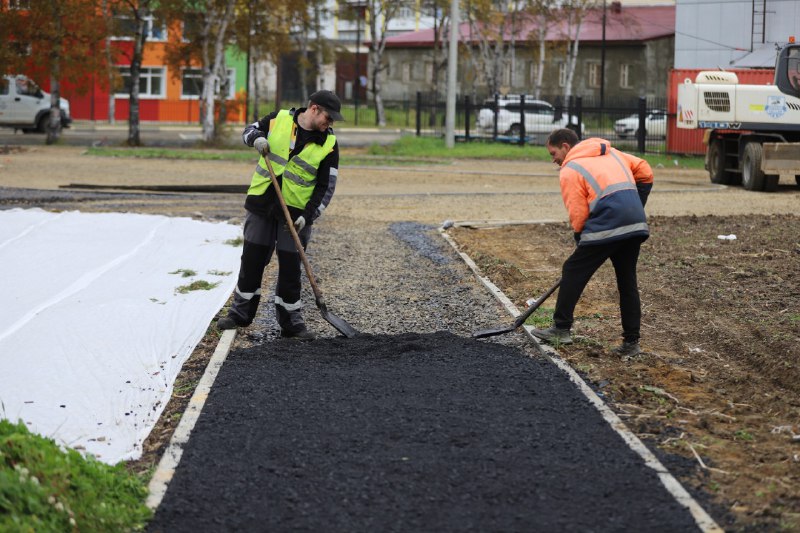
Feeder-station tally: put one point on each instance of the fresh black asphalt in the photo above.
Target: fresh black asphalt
(410, 432)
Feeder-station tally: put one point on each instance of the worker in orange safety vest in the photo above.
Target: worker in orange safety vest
(605, 191)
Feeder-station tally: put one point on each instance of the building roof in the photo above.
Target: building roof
(629, 24)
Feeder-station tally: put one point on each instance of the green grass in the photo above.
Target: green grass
(407, 150)
(434, 147)
(44, 488)
(198, 285)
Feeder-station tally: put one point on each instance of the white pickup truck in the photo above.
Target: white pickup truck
(24, 106)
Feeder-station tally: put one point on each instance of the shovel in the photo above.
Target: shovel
(343, 327)
(520, 319)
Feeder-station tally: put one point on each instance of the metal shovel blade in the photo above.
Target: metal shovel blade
(482, 334)
(520, 319)
(341, 326)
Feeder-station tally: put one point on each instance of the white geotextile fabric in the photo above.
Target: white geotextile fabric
(93, 329)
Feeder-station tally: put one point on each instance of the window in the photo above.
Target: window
(593, 75)
(3, 86)
(19, 4)
(151, 82)
(506, 75)
(624, 76)
(406, 72)
(192, 83)
(126, 28)
(533, 72)
(562, 74)
(429, 72)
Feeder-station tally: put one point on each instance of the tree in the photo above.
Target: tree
(490, 22)
(62, 39)
(573, 13)
(132, 18)
(379, 14)
(543, 14)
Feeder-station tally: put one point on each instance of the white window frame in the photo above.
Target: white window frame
(147, 74)
(625, 76)
(533, 72)
(149, 26)
(593, 75)
(562, 74)
(406, 73)
(198, 73)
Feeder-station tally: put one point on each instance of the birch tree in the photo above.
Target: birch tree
(573, 13)
(543, 14)
(132, 19)
(204, 37)
(490, 22)
(379, 14)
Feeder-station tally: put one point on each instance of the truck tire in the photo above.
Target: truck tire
(514, 131)
(716, 164)
(41, 125)
(752, 175)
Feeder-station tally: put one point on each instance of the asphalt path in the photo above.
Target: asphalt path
(409, 432)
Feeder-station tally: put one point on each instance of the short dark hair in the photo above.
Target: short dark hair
(561, 136)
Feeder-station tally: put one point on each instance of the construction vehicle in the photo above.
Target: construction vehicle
(752, 132)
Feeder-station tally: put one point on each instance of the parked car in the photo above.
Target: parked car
(655, 125)
(540, 117)
(24, 106)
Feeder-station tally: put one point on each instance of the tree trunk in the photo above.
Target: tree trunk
(54, 124)
(134, 135)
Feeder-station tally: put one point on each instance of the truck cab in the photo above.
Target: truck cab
(24, 106)
(752, 132)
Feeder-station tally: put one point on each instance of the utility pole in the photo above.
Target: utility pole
(452, 70)
(603, 60)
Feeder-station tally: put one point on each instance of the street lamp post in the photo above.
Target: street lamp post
(357, 83)
(603, 60)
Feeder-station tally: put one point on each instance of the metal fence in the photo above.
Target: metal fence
(637, 124)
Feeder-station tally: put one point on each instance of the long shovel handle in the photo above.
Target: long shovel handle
(295, 236)
(533, 307)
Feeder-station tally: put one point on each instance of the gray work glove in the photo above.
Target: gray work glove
(300, 223)
(262, 145)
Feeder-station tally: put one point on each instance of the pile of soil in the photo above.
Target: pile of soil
(410, 432)
(719, 381)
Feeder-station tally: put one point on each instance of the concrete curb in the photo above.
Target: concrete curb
(172, 455)
(703, 519)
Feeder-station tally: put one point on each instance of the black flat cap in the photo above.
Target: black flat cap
(329, 101)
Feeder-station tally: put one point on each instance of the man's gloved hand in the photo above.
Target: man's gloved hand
(262, 145)
(577, 236)
(300, 223)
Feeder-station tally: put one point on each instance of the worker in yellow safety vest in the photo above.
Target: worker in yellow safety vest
(302, 149)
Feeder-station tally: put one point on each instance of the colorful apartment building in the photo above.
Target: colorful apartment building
(165, 95)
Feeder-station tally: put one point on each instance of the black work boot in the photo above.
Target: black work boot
(553, 335)
(627, 350)
(226, 322)
(300, 335)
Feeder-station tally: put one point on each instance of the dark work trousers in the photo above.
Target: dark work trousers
(263, 236)
(581, 266)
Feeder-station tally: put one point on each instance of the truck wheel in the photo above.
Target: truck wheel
(716, 164)
(752, 175)
(41, 126)
(514, 131)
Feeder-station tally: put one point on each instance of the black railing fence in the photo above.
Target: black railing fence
(638, 124)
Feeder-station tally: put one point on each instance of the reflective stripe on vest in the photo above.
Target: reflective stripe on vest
(300, 172)
(599, 192)
(281, 136)
(300, 175)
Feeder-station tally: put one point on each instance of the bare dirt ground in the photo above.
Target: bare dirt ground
(717, 388)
